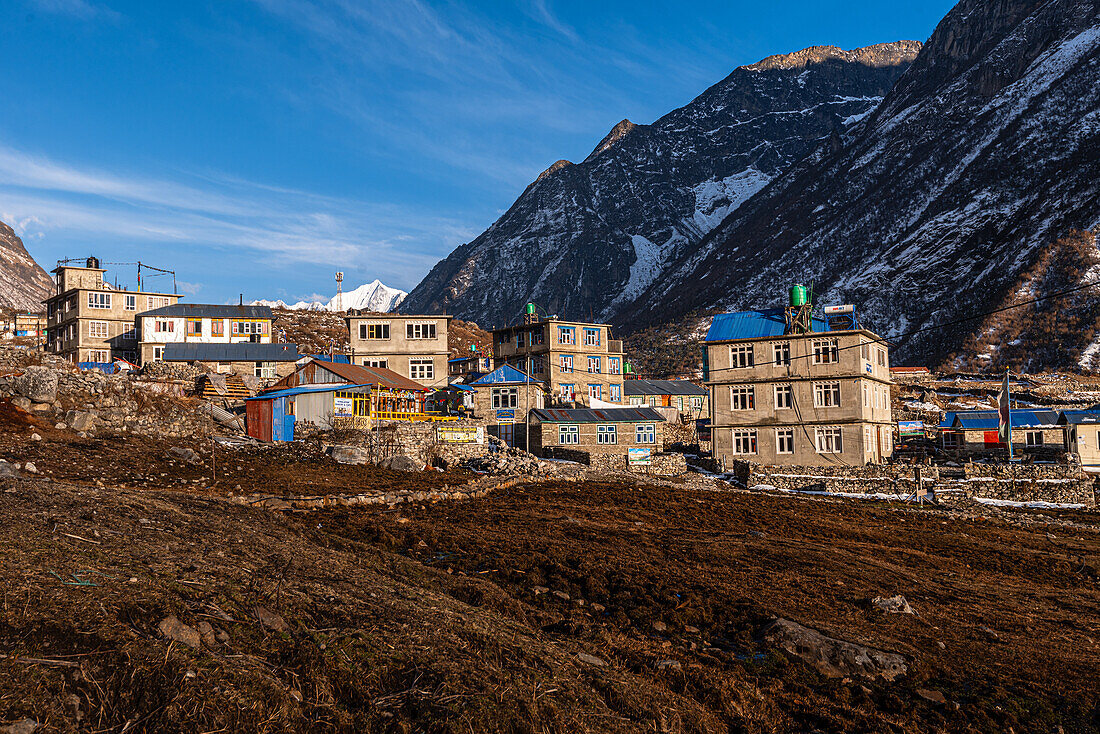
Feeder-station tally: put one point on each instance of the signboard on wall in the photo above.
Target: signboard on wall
(342, 407)
(460, 435)
(639, 457)
(506, 416)
(910, 428)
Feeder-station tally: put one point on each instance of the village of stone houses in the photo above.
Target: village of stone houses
(250, 517)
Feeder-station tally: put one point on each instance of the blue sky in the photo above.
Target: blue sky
(258, 146)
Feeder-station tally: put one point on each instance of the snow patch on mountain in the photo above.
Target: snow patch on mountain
(716, 198)
(373, 296)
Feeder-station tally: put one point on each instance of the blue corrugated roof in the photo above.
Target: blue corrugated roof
(337, 359)
(1078, 417)
(504, 375)
(988, 420)
(768, 323)
(237, 352)
(329, 387)
(948, 420)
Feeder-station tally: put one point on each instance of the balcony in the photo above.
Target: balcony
(614, 346)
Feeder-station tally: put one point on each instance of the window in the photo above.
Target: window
(616, 393)
(538, 366)
(158, 353)
(679, 402)
(782, 352)
(744, 442)
(741, 356)
(152, 302)
(784, 397)
(595, 391)
(99, 355)
(568, 392)
(568, 435)
(881, 357)
(645, 433)
(866, 397)
(97, 329)
(520, 339)
(1033, 438)
(637, 400)
(421, 369)
(828, 441)
(865, 351)
(505, 397)
(217, 327)
(784, 440)
(742, 397)
(826, 352)
(952, 440)
(566, 363)
(594, 365)
(194, 327)
(606, 435)
(249, 327)
(99, 300)
(130, 303)
(265, 369)
(380, 363)
(697, 403)
(536, 337)
(592, 337)
(374, 331)
(567, 335)
(420, 331)
(614, 366)
(164, 326)
(826, 394)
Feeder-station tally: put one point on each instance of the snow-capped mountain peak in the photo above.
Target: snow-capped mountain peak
(373, 296)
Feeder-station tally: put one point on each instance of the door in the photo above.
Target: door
(278, 419)
(507, 433)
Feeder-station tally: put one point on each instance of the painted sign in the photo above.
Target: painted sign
(702, 428)
(508, 415)
(910, 428)
(639, 457)
(460, 435)
(342, 407)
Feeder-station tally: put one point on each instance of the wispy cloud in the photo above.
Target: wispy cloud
(82, 9)
(226, 221)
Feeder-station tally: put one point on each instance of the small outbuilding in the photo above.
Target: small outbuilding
(973, 432)
(1082, 429)
(685, 397)
(504, 398)
(267, 361)
(583, 432)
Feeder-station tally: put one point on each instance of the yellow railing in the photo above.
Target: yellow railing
(398, 415)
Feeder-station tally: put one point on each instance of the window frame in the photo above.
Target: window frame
(569, 434)
(567, 336)
(607, 434)
(828, 440)
(827, 394)
(784, 435)
(421, 368)
(592, 332)
(565, 364)
(598, 362)
(825, 351)
(568, 391)
(787, 389)
(93, 328)
(742, 356)
(421, 330)
(645, 433)
(99, 300)
(742, 398)
(595, 390)
(742, 439)
(781, 353)
(129, 302)
(503, 398)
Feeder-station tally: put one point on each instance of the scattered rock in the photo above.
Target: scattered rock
(668, 664)
(206, 631)
(991, 632)
(30, 468)
(35, 437)
(536, 590)
(22, 403)
(270, 619)
(25, 726)
(893, 604)
(660, 627)
(831, 657)
(591, 660)
(598, 608)
(940, 645)
(9, 470)
(933, 696)
(691, 630)
(176, 630)
(81, 420)
(561, 595)
(184, 454)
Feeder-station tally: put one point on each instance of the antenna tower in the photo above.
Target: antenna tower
(339, 290)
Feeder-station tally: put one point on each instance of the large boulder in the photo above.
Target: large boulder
(349, 454)
(81, 420)
(401, 463)
(37, 383)
(831, 657)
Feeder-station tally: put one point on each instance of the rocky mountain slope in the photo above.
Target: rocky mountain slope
(373, 296)
(586, 239)
(931, 208)
(23, 282)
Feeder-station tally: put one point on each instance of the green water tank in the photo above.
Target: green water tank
(798, 296)
(628, 368)
(529, 309)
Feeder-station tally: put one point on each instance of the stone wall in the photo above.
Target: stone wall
(661, 465)
(1016, 483)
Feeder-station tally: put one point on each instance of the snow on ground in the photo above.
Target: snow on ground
(716, 198)
(1029, 505)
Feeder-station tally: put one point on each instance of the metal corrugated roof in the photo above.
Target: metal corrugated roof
(504, 375)
(211, 311)
(947, 420)
(364, 375)
(662, 387)
(333, 387)
(767, 323)
(587, 415)
(1078, 417)
(988, 420)
(240, 352)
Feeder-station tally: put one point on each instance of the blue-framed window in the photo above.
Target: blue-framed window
(567, 335)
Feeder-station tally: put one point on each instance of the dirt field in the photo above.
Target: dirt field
(427, 618)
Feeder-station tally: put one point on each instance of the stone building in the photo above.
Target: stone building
(200, 323)
(412, 346)
(576, 362)
(1082, 436)
(690, 401)
(504, 399)
(568, 433)
(88, 320)
(786, 388)
(269, 362)
(969, 433)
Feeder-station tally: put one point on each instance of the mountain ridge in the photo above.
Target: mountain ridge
(373, 296)
(24, 284)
